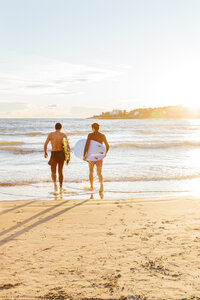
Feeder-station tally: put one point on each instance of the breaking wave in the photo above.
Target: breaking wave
(17, 150)
(113, 180)
(8, 143)
(34, 133)
(157, 145)
(143, 178)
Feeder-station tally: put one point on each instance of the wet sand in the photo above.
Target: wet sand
(100, 249)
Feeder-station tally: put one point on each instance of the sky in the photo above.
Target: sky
(76, 58)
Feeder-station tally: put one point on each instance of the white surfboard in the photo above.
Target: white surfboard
(96, 151)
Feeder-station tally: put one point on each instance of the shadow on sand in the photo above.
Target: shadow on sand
(46, 219)
(16, 207)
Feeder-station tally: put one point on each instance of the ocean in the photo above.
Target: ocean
(151, 159)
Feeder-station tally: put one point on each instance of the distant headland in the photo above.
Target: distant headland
(165, 112)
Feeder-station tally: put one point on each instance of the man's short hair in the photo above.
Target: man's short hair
(58, 126)
(95, 126)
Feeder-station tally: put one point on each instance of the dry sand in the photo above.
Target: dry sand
(100, 249)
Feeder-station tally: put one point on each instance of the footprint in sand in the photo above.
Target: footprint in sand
(119, 206)
(7, 286)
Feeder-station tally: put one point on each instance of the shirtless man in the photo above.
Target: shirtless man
(57, 154)
(100, 138)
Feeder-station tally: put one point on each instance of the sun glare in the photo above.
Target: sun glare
(193, 185)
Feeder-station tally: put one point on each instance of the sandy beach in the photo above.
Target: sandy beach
(100, 249)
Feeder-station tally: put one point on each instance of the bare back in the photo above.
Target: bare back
(56, 139)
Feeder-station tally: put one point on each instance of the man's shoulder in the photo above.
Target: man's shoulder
(103, 135)
(54, 134)
(90, 134)
(50, 134)
(62, 133)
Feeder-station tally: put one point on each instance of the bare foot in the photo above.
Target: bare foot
(101, 188)
(101, 195)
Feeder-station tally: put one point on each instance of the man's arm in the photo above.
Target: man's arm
(86, 147)
(45, 146)
(106, 144)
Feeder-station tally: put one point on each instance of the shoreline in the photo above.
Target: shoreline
(100, 249)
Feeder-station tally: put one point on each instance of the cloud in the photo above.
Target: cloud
(50, 77)
(62, 93)
(52, 106)
(11, 106)
(84, 112)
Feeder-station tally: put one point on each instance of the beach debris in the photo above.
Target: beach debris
(157, 266)
(192, 298)
(111, 282)
(136, 297)
(7, 286)
(57, 293)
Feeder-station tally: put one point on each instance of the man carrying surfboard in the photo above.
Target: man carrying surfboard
(57, 154)
(100, 138)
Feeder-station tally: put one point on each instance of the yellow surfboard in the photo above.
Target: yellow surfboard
(66, 150)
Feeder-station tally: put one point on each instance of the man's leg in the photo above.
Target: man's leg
(53, 174)
(60, 173)
(99, 174)
(91, 171)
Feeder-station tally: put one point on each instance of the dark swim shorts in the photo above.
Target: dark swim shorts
(56, 157)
